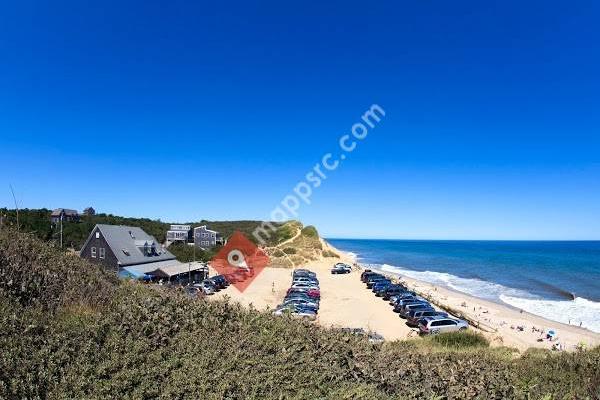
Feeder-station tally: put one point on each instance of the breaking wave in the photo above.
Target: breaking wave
(575, 311)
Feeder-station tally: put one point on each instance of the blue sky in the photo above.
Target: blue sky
(186, 111)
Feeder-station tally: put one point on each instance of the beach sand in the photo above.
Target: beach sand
(345, 302)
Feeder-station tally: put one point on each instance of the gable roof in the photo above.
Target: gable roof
(127, 244)
(58, 211)
(204, 228)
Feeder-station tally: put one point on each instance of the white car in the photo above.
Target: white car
(435, 325)
(341, 268)
(305, 285)
(305, 279)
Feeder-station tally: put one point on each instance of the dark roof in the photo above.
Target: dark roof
(128, 244)
(66, 211)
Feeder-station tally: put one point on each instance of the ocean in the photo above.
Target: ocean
(557, 280)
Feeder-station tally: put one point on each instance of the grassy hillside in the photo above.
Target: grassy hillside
(68, 330)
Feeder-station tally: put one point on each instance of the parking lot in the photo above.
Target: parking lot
(344, 300)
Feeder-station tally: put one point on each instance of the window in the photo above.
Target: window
(93, 252)
(102, 253)
(212, 235)
(97, 235)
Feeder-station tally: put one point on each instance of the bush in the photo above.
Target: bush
(458, 340)
(91, 336)
(290, 250)
(310, 231)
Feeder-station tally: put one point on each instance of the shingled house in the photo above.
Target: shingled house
(65, 214)
(126, 249)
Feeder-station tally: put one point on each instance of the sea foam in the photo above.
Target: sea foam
(575, 311)
(566, 311)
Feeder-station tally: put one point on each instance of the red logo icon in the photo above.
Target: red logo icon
(240, 261)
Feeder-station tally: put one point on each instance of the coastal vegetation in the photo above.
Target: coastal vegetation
(37, 222)
(70, 330)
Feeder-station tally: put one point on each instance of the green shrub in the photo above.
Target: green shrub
(310, 231)
(290, 250)
(458, 340)
(91, 336)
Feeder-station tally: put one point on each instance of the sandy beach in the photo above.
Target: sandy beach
(345, 302)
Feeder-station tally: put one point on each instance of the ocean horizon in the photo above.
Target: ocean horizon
(555, 279)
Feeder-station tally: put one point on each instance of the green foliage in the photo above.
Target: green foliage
(76, 233)
(185, 253)
(285, 232)
(290, 250)
(458, 340)
(310, 231)
(91, 336)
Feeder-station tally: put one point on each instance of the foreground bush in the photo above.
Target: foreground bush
(127, 340)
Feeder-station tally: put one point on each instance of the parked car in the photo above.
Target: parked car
(304, 272)
(314, 293)
(341, 268)
(435, 325)
(302, 296)
(380, 288)
(297, 311)
(303, 302)
(413, 317)
(365, 274)
(220, 281)
(401, 303)
(371, 275)
(306, 279)
(402, 296)
(206, 286)
(393, 290)
(377, 279)
(417, 306)
(307, 285)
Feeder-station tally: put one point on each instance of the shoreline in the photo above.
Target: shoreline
(346, 303)
(487, 313)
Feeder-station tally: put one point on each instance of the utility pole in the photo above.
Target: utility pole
(16, 205)
(61, 228)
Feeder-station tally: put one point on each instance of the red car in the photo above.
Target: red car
(314, 293)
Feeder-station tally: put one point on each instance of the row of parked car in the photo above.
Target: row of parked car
(417, 311)
(208, 286)
(303, 297)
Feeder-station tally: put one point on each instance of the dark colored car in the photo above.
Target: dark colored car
(413, 317)
(376, 279)
(416, 306)
(393, 290)
(364, 277)
(220, 281)
(402, 296)
(303, 272)
(301, 296)
(314, 293)
(399, 305)
(380, 288)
